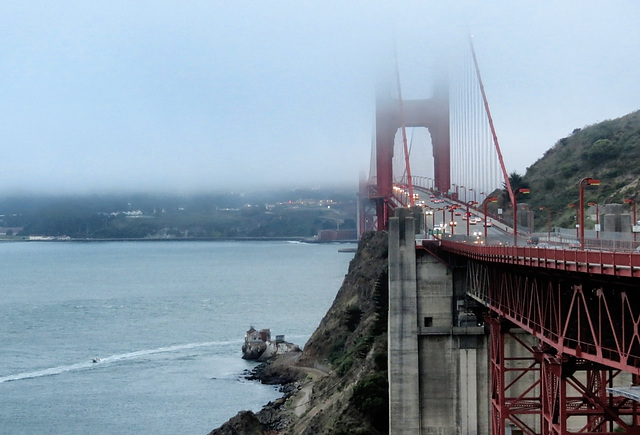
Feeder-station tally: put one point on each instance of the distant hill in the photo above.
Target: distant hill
(292, 213)
(608, 151)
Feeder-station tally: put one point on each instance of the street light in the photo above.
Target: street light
(465, 193)
(474, 194)
(591, 204)
(452, 223)
(486, 202)
(548, 222)
(515, 212)
(633, 224)
(468, 217)
(444, 209)
(429, 211)
(434, 218)
(584, 182)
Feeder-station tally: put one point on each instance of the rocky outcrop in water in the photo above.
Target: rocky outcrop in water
(259, 346)
(338, 384)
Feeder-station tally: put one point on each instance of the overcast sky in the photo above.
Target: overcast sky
(208, 95)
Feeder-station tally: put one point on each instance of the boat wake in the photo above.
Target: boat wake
(95, 361)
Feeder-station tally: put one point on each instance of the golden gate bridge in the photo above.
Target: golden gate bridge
(581, 306)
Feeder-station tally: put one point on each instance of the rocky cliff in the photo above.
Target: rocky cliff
(338, 384)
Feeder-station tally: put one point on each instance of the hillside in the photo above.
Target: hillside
(292, 213)
(608, 151)
(339, 383)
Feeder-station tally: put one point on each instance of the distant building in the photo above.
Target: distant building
(9, 231)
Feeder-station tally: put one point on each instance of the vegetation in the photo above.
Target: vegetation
(608, 151)
(352, 339)
(371, 397)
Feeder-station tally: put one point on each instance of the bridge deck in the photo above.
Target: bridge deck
(620, 264)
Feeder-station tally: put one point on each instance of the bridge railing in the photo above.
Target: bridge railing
(613, 263)
(593, 312)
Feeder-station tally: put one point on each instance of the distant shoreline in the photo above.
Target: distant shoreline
(186, 239)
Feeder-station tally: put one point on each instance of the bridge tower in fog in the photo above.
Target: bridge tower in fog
(432, 113)
(460, 129)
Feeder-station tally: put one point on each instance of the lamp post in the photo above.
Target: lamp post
(468, 217)
(444, 209)
(486, 202)
(433, 221)
(591, 204)
(515, 212)
(427, 211)
(452, 223)
(633, 224)
(465, 193)
(548, 222)
(584, 182)
(474, 194)
(434, 218)
(455, 189)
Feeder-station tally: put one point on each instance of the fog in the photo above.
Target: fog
(210, 95)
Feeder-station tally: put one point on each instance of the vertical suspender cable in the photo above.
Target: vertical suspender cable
(495, 142)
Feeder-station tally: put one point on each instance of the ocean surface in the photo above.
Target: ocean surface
(166, 321)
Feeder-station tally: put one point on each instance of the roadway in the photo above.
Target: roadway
(439, 215)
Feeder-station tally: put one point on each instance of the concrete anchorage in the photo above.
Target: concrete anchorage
(438, 353)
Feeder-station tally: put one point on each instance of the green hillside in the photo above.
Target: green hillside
(608, 151)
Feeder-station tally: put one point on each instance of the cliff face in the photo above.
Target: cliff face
(351, 342)
(338, 385)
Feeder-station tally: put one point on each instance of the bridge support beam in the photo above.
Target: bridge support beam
(404, 394)
(438, 361)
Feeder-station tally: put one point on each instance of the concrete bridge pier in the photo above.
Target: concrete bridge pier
(438, 354)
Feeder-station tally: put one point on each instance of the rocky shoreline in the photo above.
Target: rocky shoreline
(276, 371)
(338, 384)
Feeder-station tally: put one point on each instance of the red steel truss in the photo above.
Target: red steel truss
(581, 310)
(541, 392)
(595, 316)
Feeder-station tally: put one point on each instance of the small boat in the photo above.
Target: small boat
(348, 250)
(96, 360)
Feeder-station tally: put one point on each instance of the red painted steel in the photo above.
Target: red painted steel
(617, 264)
(403, 127)
(539, 391)
(513, 400)
(583, 310)
(582, 314)
(431, 113)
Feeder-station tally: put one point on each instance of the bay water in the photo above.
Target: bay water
(164, 322)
